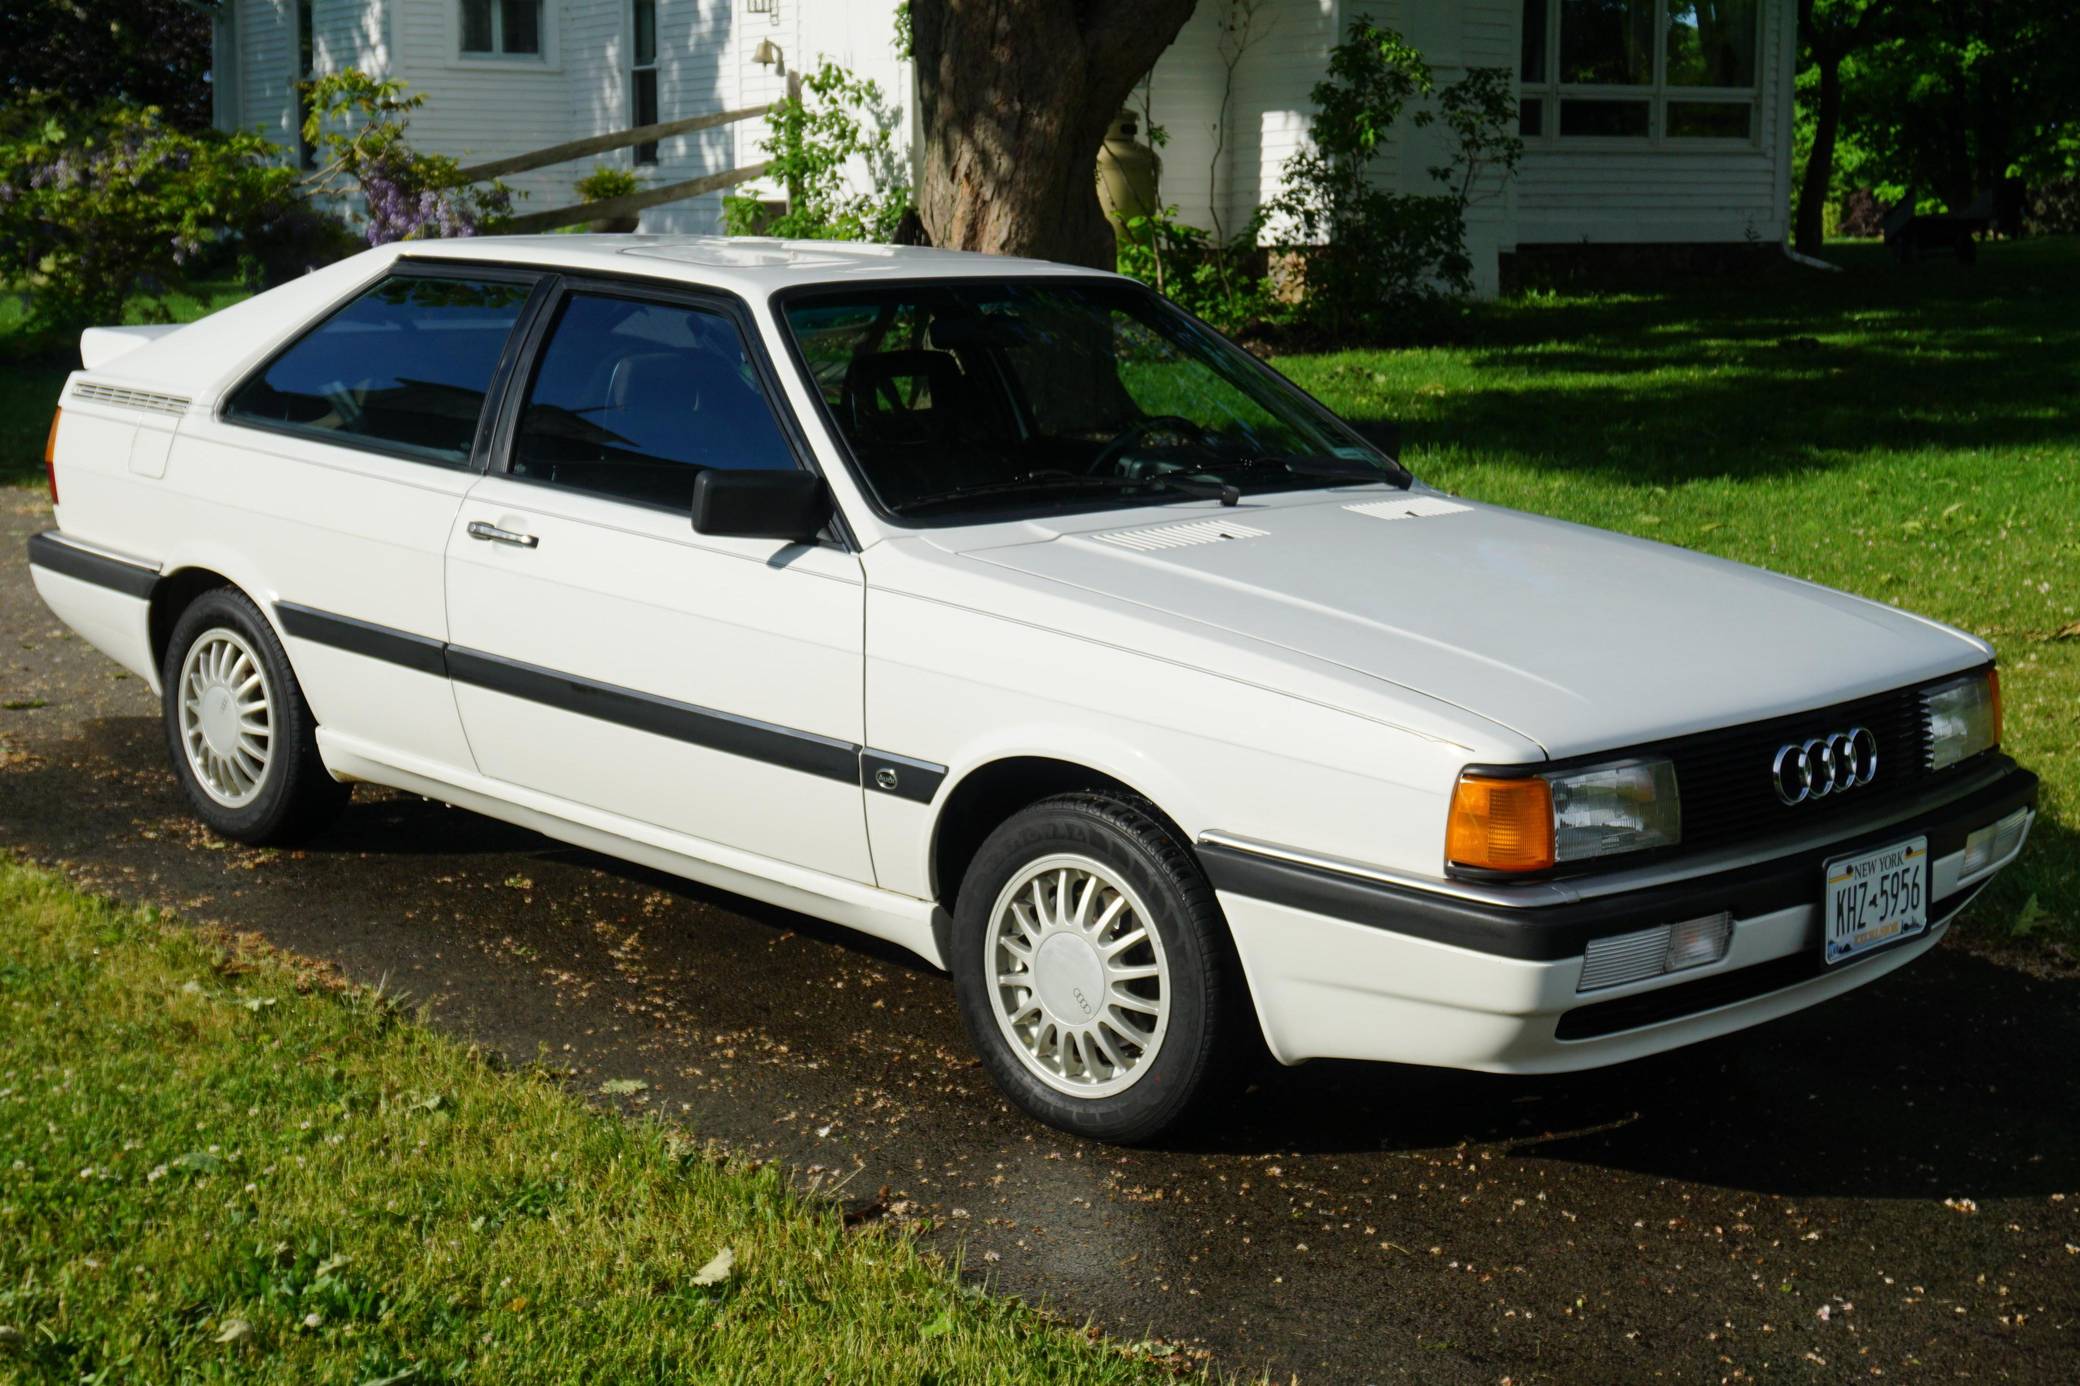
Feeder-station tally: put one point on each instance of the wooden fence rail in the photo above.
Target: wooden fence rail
(629, 203)
(600, 144)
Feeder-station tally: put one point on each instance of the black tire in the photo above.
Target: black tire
(292, 795)
(1208, 1006)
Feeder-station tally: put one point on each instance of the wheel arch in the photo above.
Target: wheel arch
(172, 595)
(991, 792)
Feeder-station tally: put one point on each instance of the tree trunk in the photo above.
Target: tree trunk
(1827, 119)
(1015, 98)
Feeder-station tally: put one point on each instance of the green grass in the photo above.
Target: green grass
(215, 1166)
(1912, 436)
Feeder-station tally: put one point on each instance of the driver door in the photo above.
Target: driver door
(607, 655)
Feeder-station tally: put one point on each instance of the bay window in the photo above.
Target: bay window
(1640, 69)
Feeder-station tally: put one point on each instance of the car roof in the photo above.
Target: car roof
(753, 266)
(203, 357)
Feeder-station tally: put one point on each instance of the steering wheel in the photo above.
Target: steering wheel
(1134, 433)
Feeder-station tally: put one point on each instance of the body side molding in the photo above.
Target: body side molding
(420, 652)
(808, 752)
(55, 553)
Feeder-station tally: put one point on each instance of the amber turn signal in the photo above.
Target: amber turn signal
(50, 454)
(1500, 824)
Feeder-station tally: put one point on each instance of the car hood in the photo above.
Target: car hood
(1577, 639)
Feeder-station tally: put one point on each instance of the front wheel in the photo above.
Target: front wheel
(241, 736)
(1092, 968)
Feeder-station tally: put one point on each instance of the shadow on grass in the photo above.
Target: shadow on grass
(1786, 371)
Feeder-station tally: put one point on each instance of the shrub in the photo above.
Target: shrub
(2054, 207)
(406, 194)
(1862, 215)
(1380, 257)
(606, 181)
(835, 120)
(1224, 284)
(97, 205)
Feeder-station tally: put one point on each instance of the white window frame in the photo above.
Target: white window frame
(496, 56)
(1658, 95)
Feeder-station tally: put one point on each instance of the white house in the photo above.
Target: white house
(1645, 121)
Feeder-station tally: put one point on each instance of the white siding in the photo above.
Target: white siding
(349, 33)
(266, 37)
(1183, 96)
(481, 108)
(694, 45)
(1271, 105)
(1454, 38)
(485, 107)
(1642, 192)
(1268, 110)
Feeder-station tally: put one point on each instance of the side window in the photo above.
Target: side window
(631, 399)
(405, 366)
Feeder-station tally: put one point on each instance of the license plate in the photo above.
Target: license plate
(1873, 898)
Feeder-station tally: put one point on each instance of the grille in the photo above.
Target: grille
(1724, 776)
(124, 398)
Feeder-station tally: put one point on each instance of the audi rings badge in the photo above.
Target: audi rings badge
(1831, 764)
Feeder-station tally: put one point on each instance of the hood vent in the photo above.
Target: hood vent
(1408, 508)
(122, 397)
(1188, 535)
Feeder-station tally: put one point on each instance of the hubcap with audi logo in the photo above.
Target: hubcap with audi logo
(1831, 764)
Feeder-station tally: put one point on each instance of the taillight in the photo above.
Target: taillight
(50, 454)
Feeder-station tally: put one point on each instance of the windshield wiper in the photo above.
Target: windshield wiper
(1329, 468)
(1071, 481)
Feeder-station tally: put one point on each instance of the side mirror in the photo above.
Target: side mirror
(791, 505)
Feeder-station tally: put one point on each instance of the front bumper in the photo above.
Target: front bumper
(1344, 962)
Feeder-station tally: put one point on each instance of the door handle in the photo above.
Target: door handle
(484, 529)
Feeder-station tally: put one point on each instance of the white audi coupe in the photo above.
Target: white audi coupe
(999, 609)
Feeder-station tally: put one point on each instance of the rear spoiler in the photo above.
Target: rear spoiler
(100, 345)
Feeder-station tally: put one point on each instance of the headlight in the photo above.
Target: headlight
(1532, 822)
(1964, 718)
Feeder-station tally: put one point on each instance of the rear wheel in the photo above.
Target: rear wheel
(241, 737)
(1092, 968)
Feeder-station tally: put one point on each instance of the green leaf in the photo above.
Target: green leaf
(623, 1087)
(2030, 920)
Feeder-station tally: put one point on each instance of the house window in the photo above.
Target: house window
(1640, 69)
(502, 28)
(306, 69)
(643, 75)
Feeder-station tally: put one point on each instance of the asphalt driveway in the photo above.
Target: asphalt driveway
(1888, 1186)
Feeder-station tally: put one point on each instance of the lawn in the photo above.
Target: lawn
(216, 1165)
(1913, 436)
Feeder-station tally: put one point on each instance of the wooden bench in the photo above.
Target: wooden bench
(1911, 235)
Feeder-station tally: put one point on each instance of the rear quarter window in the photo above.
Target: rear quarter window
(403, 368)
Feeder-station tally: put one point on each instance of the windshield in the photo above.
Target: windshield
(963, 400)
